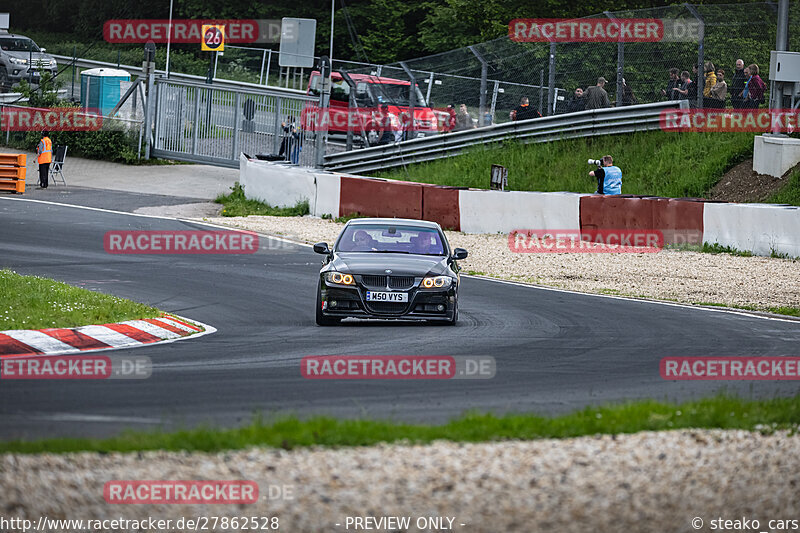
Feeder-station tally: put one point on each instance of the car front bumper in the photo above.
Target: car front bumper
(423, 304)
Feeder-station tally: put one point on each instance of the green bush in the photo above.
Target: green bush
(108, 145)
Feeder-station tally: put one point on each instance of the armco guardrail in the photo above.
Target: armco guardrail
(16, 98)
(176, 76)
(582, 124)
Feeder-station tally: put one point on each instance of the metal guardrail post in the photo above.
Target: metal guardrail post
(237, 106)
(494, 96)
(428, 92)
(196, 124)
(551, 79)
(484, 75)
(277, 123)
(263, 58)
(148, 116)
(541, 91)
(701, 71)
(620, 63)
(412, 100)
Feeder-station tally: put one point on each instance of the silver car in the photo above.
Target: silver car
(21, 59)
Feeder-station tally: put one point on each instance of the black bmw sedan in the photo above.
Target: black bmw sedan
(389, 268)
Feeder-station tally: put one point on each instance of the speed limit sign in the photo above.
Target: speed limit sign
(213, 38)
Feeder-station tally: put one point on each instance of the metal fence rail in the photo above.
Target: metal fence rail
(582, 124)
(209, 124)
(74, 89)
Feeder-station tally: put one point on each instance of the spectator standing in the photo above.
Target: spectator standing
(450, 120)
(596, 96)
(737, 84)
(577, 102)
(628, 98)
(691, 88)
(682, 91)
(463, 119)
(753, 93)
(524, 111)
(710, 81)
(44, 151)
(673, 83)
(719, 91)
(387, 125)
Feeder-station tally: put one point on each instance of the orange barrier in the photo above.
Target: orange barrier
(680, 220)
(380, 198)
(12, 172)
(440, 204)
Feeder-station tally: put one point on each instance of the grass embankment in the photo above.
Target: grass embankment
(238, 205)
(31, 302)
(719, 412)
(653, 163)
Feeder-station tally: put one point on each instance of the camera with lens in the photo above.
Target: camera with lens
(597, 162)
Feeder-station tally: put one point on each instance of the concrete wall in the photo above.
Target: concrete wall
(505, 211)
(759, 228)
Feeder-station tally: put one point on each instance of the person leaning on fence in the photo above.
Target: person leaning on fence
(718, 92)
(577, 102)
(596, 96)
(44, 152)
(524, 111)
(737, 85)
(609, 177)
(673, 83)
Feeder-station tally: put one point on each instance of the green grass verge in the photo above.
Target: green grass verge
(31, 302)
(237, 205)
(790, 193)
(653, 163)
(719, 412)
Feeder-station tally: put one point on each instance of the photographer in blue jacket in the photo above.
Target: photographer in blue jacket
(609, 177)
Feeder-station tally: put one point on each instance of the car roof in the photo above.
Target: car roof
(395, 222)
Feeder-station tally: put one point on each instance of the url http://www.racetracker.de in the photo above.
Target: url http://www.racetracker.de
(46, 524)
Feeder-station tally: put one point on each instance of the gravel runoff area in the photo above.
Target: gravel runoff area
(640, 482)
(687, 277)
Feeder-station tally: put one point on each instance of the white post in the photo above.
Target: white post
(169, 36)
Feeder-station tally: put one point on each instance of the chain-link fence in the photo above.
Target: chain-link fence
(727, 32)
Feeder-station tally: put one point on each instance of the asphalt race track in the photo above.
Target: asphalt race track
(556, 351)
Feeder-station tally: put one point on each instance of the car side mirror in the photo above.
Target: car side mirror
(459, 254)
(322, 248)
(43, 50)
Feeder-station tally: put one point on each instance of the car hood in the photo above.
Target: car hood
(27, 55)
(399, 264)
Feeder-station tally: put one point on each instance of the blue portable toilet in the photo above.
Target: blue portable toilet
(101, 88)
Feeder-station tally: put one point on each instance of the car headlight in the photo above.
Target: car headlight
(437, 282)
(53, 63)
(18, 61)
(339, 279)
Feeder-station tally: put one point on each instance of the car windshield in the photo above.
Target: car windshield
(396, 94)
(18, 44)
(382, 238)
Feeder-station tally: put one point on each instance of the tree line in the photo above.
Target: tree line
(376, 31)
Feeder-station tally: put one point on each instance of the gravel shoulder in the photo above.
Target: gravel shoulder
(641, 482)
(681, 276)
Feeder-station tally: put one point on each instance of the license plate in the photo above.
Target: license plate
(373, 296)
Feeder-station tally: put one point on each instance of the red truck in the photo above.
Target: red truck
(372, 92)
